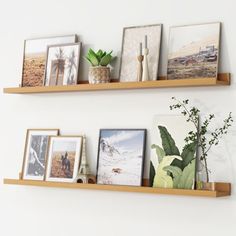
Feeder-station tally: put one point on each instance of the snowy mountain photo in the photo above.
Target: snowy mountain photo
(120, 157)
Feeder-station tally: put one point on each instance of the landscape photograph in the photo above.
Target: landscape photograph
(193, 51)
(35, 54)
(121, 155)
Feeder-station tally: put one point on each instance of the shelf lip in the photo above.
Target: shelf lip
(223, 79)
(119, 188)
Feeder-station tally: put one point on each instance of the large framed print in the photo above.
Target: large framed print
(194, 51)
(133, 37)
(36, 145)
(121, 155)
(63, 158)
(173, 159)
(34, 60)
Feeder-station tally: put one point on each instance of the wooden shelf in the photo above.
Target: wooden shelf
(223, 189)
(162, 82)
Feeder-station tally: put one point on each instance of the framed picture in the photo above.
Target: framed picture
(34, 60)
(64, 154)
(35, 153)
(121, 156)
(132, 37)
(62, 64)
(194, 51)
(173, 160)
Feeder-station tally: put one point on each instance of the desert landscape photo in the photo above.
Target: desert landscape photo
(193, 51)
(35, 55)
(34, 67)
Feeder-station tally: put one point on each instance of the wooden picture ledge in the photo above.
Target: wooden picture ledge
(162, 82)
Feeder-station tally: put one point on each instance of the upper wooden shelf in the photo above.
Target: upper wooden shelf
(222, 189)
(162, 82)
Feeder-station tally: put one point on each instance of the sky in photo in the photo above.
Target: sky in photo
(125, 139)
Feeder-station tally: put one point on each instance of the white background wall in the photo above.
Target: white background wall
(44, 211)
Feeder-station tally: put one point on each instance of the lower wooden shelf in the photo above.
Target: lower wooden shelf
(223, 189)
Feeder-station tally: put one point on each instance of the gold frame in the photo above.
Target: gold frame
(62, 136)
(26, 144)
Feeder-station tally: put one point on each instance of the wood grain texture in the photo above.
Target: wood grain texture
(223, 79)
(183, 192)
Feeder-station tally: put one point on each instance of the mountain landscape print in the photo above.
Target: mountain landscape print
(121, 156)
(193, 51)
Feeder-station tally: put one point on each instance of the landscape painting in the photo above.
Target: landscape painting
(35, 153)
(63, 158)
(121, 156)
(194, 51)
(173, 159)
(35, 54)
(62, 64)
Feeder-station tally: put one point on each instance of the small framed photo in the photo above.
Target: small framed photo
(64, 154)
(194, 51)
(36, 145)
(35, 55)
(62, 64)
(121, 156)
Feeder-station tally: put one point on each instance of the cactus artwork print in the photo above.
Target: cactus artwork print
(173, 160)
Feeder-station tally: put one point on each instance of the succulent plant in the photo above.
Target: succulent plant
(99, 58)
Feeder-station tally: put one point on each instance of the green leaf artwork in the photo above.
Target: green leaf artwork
(172, 168)
(162, 179)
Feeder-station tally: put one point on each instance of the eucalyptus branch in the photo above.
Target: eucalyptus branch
(200, 136)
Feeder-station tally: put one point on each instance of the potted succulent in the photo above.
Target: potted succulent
(204, 137)
(99, 71)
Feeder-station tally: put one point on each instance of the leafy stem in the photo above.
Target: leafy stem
(205, 142)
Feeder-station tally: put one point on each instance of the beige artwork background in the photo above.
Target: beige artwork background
(132, 37)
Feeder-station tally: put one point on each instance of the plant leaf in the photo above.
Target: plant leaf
(176, 173)
(106, 60)
(188, 153)
(168, 142)
(187, 178)
(162, 179)
(151, 174)
(159, 151)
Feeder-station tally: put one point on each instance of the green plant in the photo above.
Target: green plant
(99, 58)
(204, 138)
(175, 169)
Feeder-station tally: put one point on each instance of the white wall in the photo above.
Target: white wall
(44, 211)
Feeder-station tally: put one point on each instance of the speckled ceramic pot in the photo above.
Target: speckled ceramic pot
(99, 74)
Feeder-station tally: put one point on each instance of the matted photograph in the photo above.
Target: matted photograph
(35, 55)
(173, 159)
(63, 158)
(121, 156)
(194, 51)
(62, 64)
(35, 153)
(135, 40)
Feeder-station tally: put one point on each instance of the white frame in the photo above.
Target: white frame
(79, 140)
(30, 132)
(196, 24)
(78, 44)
